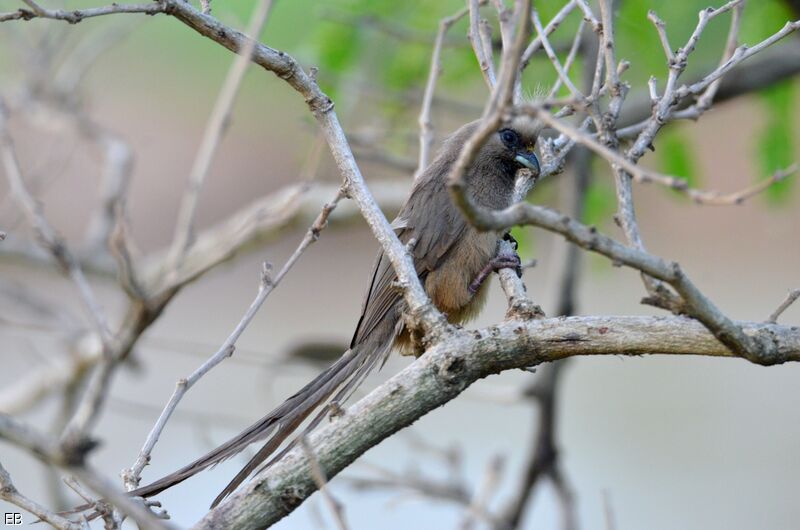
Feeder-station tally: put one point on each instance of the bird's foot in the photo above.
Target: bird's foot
(501, 261)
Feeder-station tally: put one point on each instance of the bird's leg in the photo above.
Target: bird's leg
(503, 260)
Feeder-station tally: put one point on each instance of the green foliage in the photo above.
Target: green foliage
(387, 44)
(762, 19)
(525, 240)
(601, 199)
(676, 156)
(775, 141)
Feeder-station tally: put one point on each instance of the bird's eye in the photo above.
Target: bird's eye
(509, 137)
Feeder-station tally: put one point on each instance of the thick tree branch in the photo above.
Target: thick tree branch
(445, 371)
(759, 350)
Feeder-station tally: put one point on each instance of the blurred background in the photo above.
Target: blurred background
(651, 442)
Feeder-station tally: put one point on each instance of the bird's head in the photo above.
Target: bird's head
(506, 167)
(516, 144)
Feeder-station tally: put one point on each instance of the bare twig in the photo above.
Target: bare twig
(9, 493)
(105, 511)
(573, 53)
(426, 131)
(114, 188)
(608, 47)
(50, 452)
(662, 34)
(769, 67)
(52, 377)
(479, 506)
(707, 97)
(554, 23)
(481, 52)
(563, 75)
(48, 237)
(76, 15)
(790, 299)
(643, 175)
(336, 508)
(266, 285)
(451, 490)
(217, 123)
(135, 508)
(519, 305)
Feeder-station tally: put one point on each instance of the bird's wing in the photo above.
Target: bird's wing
(428, 216)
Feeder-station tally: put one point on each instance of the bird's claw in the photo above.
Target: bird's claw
(501, 261)
(507, 261)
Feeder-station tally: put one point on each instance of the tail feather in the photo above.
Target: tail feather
(343, 395)
(277, 425)
(348, 378)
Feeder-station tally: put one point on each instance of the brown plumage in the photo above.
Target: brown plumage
(449, 254)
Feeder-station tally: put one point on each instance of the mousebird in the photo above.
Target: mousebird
(452, 260)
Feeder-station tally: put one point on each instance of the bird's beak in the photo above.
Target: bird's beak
(525, 179)
(529, 160)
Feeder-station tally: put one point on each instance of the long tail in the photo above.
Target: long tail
(278, 425)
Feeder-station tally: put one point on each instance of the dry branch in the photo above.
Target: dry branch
(444, 372)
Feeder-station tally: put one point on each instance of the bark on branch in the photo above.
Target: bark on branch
(448, 369)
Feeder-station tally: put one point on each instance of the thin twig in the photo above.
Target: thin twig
(426, 132)
(111, 517)
(563, 76)
(76, 15)
(573, 53)
(335, 507)
(481, 53)
(643, 175)
(554, 23)
(485, 492)
(48, 237)
(662, 34)
(790, 299)
(49, 451)
(266, 285)
(9, 493)
(217, 123)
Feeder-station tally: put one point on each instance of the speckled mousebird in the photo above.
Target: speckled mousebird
(451, 258)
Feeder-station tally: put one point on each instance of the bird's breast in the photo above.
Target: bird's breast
(448, 285)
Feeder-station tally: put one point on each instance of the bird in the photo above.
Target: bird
(452, 260)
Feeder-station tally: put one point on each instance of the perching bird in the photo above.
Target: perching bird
(452, 260)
